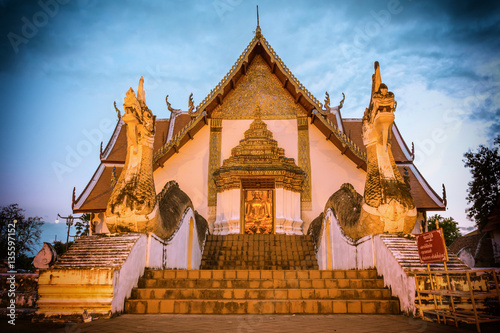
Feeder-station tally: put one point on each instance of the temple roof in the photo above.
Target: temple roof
(260, 50)
(94, 197)
(171, 134)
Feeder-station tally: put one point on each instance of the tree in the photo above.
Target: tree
(82, 225)
(60, 247)
(449, 226)
(27, 232)
(485, 185)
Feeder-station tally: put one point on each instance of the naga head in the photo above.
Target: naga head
(379, 116)
(137, 116)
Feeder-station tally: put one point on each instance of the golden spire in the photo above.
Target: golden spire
(258, 32)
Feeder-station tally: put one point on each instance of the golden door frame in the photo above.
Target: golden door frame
(244, 200)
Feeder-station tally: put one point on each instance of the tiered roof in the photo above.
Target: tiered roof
(345, 134)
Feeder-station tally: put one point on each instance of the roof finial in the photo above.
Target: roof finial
(258, 17)
(258, 32)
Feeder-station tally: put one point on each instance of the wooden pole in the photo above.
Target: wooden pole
(473, 301)
(421, 315)
(433, 295)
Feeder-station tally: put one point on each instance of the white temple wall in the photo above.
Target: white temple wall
(336, 251)
(402, 285)
(329, 170)
(181, 251)
(183, 244)
(127, 277)
(189, 168)
(232, 132)
(196, 250)
(344, 253)
(154, 255)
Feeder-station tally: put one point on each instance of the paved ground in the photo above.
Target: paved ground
(248, 324)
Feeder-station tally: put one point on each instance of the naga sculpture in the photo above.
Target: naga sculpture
(134, 192)
(133, 205)
(387, 204)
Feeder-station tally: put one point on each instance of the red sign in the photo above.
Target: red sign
(431, 247)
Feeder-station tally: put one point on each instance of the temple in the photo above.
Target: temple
(259, 128)
(259, 169)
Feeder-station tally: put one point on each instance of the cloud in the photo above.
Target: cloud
(437, 56)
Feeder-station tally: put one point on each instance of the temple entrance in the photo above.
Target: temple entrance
(258, 206)
(258, 188)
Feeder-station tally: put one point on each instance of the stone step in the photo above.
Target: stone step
(98, 251)
(268, 306)
(271, 266)
(261, 291)
(265, 284)
(406, 253)
(260, 274)
(262, 294)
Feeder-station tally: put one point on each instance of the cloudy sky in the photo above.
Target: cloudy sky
(64, 62)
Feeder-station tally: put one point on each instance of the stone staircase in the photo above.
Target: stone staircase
(83, 278)
(260, 274)
(406, 253)
(98, 251)
(261, 292)
(257, 252)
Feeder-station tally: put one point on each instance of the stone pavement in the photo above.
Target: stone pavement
(263, 323)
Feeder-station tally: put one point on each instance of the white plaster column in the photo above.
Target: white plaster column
(297, 221)
(287, 210)
(234, 222)
(228, 212)
(279, 218)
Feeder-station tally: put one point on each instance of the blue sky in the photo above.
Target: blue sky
(64, 62)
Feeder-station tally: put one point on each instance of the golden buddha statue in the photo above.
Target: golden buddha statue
(258, 215)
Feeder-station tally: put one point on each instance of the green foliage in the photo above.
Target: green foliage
(449, 226)
(82, 225)
(27, 232)
(484, 165)
(25, 263)
(60, 247)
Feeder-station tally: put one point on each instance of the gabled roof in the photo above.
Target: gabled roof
(95, 196)
(344, 134)
(259, 45)
(424, 196)
(327, 122)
